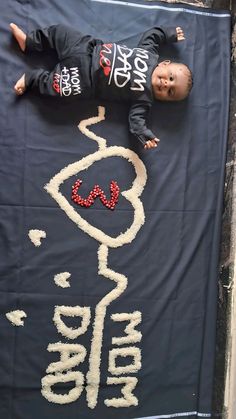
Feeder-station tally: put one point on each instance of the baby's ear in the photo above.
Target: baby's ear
(166, 62)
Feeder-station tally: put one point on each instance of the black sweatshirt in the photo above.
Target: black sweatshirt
(88, 68)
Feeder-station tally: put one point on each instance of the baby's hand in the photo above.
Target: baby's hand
(151, 143)
(180, 34)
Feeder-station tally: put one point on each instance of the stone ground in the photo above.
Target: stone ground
(225, 280)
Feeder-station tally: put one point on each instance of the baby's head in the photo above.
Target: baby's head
(171, 81)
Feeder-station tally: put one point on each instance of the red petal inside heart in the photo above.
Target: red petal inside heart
(94, 193)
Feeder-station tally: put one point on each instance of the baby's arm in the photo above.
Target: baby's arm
(153, 38)
(137, 123)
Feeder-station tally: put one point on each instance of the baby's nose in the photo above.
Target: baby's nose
(166, 83)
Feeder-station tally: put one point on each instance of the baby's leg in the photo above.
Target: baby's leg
(19, 35)
(65, 40)
(42, 81)
(60, 38)
(20, 86)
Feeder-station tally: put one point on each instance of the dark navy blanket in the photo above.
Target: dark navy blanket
(108, 300)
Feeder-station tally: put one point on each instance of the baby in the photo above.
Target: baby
(89, 68)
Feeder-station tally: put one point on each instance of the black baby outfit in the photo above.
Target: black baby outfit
(89, 68)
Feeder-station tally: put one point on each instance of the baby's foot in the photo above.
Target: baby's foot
(19, 35)
(20, 86)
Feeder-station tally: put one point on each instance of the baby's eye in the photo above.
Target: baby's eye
(171, 78)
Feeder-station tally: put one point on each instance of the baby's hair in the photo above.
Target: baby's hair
(190, 79)
(189, 75)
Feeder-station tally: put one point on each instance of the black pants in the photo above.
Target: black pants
(72, 74)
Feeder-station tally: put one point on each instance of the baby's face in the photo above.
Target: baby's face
(170, 81)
